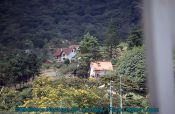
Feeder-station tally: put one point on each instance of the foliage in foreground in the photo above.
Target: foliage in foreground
(68, 93)
(7, 99)
(18, 67)
(46, 93)
(11, 98)
(132, 67)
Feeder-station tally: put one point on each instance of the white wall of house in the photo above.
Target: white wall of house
(97, 73)
(100, 73)
(92, 73)
(71, 55)
(64, 56)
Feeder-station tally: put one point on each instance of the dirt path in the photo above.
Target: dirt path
(49, 72)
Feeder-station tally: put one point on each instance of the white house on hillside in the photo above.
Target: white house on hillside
(100, 68)
(65, 53)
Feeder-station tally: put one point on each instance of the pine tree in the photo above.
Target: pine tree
(135, 37)
(89, 51)
(111, 38)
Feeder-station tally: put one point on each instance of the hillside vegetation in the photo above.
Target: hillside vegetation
(36, 23)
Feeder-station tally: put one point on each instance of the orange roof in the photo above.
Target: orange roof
(101, 65)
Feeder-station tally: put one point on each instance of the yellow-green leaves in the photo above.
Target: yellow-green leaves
(46, 94)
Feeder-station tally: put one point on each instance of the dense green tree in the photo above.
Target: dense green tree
(88, 51)
(18, 67)
(42, 21)
(132, 69)
(89, 47)
(111, 38)
(104, 52)
(88, 42)
(135, 37)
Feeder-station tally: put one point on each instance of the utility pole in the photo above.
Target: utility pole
(121, 94)
(110, 97)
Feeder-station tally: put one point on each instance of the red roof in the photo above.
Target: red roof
(59, 51)
(48, 62)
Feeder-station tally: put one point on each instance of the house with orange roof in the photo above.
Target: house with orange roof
(100, 68)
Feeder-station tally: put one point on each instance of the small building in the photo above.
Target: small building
(65, 53)
(100, 68)
(48, 61)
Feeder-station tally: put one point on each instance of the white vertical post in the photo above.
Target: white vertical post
(121, 104)
(110, 97)
(158, 39)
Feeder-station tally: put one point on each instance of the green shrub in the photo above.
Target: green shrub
(66, 69)
(7, 99)
(46, 66)
(25, 93)
(132, 65)
(114, 61)
(58, 65)
(66, 61)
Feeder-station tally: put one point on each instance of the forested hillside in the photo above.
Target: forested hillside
(105, 59)
(36, 23)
